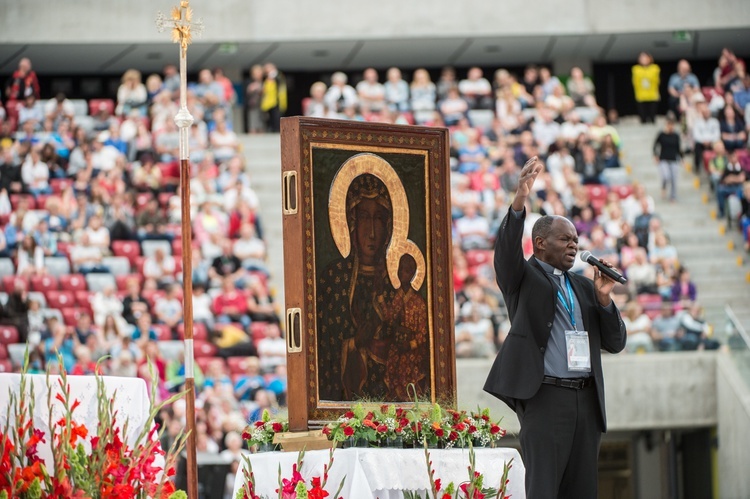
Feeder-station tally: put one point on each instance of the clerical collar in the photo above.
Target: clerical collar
(549, 268)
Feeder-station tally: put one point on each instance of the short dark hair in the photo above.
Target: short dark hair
(542, 228)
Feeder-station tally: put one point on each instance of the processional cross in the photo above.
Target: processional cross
(183, 28)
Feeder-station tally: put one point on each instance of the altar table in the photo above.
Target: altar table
(385, 473)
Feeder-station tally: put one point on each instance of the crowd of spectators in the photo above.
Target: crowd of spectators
(91, 244)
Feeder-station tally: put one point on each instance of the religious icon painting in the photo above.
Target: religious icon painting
(367, 259)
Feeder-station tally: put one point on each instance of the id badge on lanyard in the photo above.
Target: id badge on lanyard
(576, 342)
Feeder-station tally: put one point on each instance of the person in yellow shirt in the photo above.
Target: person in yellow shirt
(646, 78)
(274, 97)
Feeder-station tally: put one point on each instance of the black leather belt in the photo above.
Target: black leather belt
(574, 383)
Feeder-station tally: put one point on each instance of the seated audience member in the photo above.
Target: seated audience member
(84, 328)
(316, 106)
(642, 274)
(730, 182)
(105, 303)
(260, 304)
(152, 355)
(581, 88)
(718, 164)
(423, 96)
(227, 265)
(663, 253)
(249, 383)
(84, 365)
(151, 222)
(159, 268)
(665, 329)
(35, 173)
(62, 342)
(695, 330)
(476, 90)
(706, 132)
(30, 258)
(453, 108)
(87, 258)
(473, 229)
(264, 400)
(134, 304)
(144, 332)
(371, 92)
(233, 341)
(272, 349)
(475, 336)
(396, 91)
(733, 131)
(340, 95)
(589, 165)
(230, 305)
(250, 249)
(683, 291)
(168, 309)
(638, 326)
(176, 374)
(202, 303)
(123, 364)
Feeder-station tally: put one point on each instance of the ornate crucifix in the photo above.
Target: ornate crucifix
(183, 28)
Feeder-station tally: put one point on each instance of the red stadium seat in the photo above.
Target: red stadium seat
(60, 299)
(4, 219)
(6, 366)
(258, 331)
(203, 363)
(122, 280)
(96, 105)
(163, 332)
(58, 185)
(63, 248)
(44, 283)
(15, 199)
(151, 295)
(3, 351)
(204, 349)
(479, 257)
(129, 249)
(8, 334)
(83, 300)
(73, 282)
(41, 201)
(9, 282)
(623, 191)
(237, 365)
(262, 276)
(70, 315)
(596, 192)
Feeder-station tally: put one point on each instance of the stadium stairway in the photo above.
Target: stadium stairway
(263, 158)
(714, 255)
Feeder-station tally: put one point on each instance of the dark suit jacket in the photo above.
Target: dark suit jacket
(530, 296)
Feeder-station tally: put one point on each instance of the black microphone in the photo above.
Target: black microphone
(587, 257)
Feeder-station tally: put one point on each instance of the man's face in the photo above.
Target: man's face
(561, 246)
(372, 230)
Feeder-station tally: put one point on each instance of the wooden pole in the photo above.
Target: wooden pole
(182, 29)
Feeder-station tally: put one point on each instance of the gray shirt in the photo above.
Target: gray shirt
(555, 356)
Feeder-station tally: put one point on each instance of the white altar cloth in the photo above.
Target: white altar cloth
(385, 473)
(131, 403)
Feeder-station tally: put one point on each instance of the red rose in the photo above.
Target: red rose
(370, 416)
(460, 427)
(494, 429)
(486, 418)
(384, 408)
(403, 422)
(453, 436)
(349, 414)
(472, 429)
(245, 435)
(348, 431)
(439, 432)
(259, 424)
(277, 427)
(326, 431)
(456, 416)
(382, 428)
(398, 430)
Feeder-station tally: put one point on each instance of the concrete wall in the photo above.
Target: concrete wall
(92, 21)
(675, 390)
(734, 431)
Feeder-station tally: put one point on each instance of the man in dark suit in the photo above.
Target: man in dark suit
(549, 367)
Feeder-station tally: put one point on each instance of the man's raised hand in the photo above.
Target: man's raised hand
(530, 171)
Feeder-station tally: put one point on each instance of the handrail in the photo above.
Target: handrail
(737, 325)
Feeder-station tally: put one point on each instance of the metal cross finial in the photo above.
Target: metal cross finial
(182, 24)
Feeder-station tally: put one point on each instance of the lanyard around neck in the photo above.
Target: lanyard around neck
(569, 307)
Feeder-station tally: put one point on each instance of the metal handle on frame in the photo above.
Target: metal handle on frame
(293, 330)
(289, 180)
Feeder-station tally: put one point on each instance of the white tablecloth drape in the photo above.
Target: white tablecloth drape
(131, 403)
(386, 473)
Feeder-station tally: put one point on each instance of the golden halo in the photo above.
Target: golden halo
(410, 248)
(367, 163)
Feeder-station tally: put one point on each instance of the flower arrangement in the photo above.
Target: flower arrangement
(261, 433)
(473, 488)
(294, 487)
(110, 469)
(391, 426)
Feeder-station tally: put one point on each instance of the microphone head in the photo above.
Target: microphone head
(585, 256)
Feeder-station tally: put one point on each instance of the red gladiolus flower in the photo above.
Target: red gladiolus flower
(437, 485)
(348, 431)
(446, 496)
(277, 427)
(77, 431)
(316, 492)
